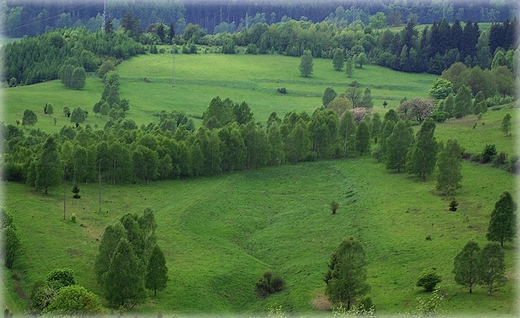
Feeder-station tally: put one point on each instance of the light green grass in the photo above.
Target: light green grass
(201, 77)
(219, 234)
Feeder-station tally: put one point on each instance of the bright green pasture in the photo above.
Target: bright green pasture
(201, 77)
(219, 234)
(474, 134)
(254, 79)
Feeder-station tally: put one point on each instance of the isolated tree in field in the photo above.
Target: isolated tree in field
(79, 76)
(361, 59)
(48, 170)
(397, 145)
(78, 115)
(362, 138)
(338, 60)
(11, 245)
(48, 109)
(29, 118)
(123, 282)
(156, 271)
(423, 155)
(328, 96)
(429, 279)
(75, 300)
(449, 164)
(492, 267)
(349, 67)
(306, 64)
(346, 275)
(466, 265)
(502, 225)
(506, 125)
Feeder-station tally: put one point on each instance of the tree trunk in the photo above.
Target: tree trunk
(490, 289)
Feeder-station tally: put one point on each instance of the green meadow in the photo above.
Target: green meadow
(220, 234)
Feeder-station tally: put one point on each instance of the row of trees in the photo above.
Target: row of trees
(228, 16)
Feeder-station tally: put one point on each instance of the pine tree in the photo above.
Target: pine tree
(465, 265)
(502, 225)
(424, 151)
(156, 271)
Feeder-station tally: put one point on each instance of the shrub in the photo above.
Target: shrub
(500, 159)
(488, 153)
(453, 205)
(282, 90)
(440, 116)
(334, 205)
(429, 279)
(73, 218)
(75, 190)
(269, 284)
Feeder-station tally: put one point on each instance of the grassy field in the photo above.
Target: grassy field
(220, 234)
(201, 77)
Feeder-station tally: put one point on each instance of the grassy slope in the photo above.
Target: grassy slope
(283, 220)
(220, 234)
(201, 77)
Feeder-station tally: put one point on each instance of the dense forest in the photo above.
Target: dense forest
(24, 17)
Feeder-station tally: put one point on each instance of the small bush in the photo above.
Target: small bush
(440, 116)
(453, 205)
(73, 218)
(488, 153)
(282, 90)
(500, 159)
(269, 284)
(429, 279)
(75, 190)
(334, 205)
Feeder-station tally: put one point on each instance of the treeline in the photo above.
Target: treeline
(26, 64)
(37, 17)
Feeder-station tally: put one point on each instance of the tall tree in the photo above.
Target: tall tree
(362, 138)
(349, 67)
(506, 125)
(78, 115)
(366, 100)
(109, 241)
(298, 142)
(123, 282)
(502, 225)
(346, 275)
(306, 64)
(466, 265)
(397, 145)
(78, 78)
(347, 132)
(424, 151)
(156, 271)
(48, 170)
(338, 60)
(449, 166)
(492, 267)
(462, 102)
(328, 96)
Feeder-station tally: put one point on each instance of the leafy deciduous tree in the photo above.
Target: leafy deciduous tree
(306, 64)
(492, 267)
(423, 151)
(156, 271)
(502, 225)
(347, 274)
(465, 265)
(449, 165)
